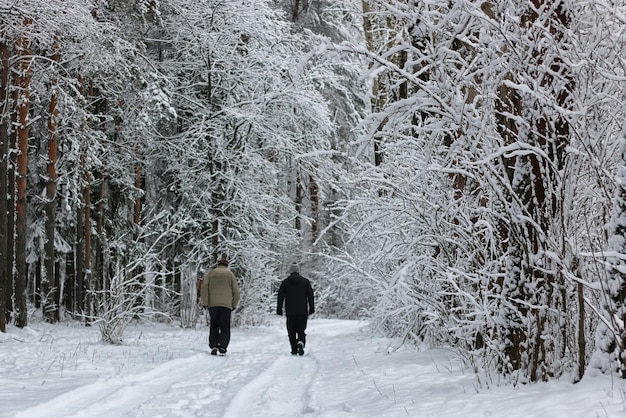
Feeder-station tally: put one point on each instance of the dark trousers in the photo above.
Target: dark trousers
(219, 328)
(296, 325)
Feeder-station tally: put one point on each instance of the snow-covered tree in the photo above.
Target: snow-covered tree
(611, 332)
(248, 120)
(478, 150)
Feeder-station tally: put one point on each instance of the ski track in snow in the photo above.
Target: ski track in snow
(200, 385)
(286, 396)
(112, 397)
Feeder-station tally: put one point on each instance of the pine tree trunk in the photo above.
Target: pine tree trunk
(50, 288)
(23, 109)
(100, 268)
(139, 186)
(11, 199)
(88, 285)
(101, 273)
(79, 257)
(79, 246)
(5, 278)
(86, 279)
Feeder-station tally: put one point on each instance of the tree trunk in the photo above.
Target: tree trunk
(86, 279)
(553, 136)
(57, 295)
(50, 288)
(315, 206)
(79, 256)
(100, 269)
(69, 286)
(139, 185)
(79, 252)
(11, 186)
(531, 279)
(88, 284)
(216, 211)
(5, 278)
(79, 246)
(298, 202)
(379, 93)
(34, 291)
(581, 332)
(611, 330)
(23, 109)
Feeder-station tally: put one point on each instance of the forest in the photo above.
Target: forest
(453, 171)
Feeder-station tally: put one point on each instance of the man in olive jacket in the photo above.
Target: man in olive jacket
(220, 293)
(297, 294)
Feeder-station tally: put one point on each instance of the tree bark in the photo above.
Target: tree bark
(5, 287)
(299, 196)
(79, 251)
(315, 206)
(139, 185)
(531, 282)
(69, 286)
(581, 331)
(23, 109)
(50, 288)
(11, 203)
(87, 283)
(87, 275)
(79, 246)
(379, 93)
(100, 269)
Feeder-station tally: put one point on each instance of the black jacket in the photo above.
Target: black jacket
(297, 293)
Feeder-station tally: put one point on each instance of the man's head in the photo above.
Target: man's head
(293, 268)
(223, 261)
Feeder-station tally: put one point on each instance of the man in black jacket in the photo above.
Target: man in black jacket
(297, 294)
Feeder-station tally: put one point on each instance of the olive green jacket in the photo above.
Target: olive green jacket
(219, 288)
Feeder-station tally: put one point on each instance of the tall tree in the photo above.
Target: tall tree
(11, 194)
(531, 277)
(5, 279)
(23, 48)
(50, 288)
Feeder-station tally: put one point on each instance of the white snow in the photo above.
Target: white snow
(164, 371)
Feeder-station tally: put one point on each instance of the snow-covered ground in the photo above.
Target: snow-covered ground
(164, 371)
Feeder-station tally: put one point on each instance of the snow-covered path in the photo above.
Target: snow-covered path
(195, 385)
(62, 371)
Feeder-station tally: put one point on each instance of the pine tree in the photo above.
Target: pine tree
(23, 108)
(5, 278)
(50, 288)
